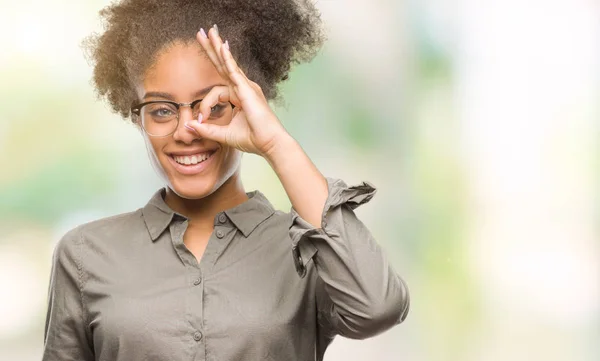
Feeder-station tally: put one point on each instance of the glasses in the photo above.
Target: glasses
(160, 118)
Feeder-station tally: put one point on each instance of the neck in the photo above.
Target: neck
(201, 212)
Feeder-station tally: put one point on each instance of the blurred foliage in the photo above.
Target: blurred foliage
(325, 103)
(51, 167)
(57, 187)
(62, 152)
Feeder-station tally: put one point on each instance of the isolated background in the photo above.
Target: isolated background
(477, 120)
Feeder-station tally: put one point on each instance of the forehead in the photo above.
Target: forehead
(180, 69)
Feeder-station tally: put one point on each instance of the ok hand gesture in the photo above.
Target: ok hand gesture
(254, 127)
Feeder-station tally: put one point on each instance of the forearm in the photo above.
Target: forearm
(367, 295)
(305, 186)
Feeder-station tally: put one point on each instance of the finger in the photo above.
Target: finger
(217, 43)
(229, 61)
(217, 96)
(206, 44)
(218, 133)
(242, 84)
(210, 52)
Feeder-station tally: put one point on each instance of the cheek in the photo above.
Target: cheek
(154, 146)
(232, 158)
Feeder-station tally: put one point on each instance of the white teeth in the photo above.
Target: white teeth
(194, 159)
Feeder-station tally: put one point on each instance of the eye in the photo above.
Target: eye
(162, 112)
(218, 109)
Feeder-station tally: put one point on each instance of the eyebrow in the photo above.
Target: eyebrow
(168, 96)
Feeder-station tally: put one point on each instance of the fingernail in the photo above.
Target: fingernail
(216, 28)
(203, 33)
(190, 128)
(200, 118)
(227, 44)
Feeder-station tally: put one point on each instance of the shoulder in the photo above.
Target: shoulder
(281, 216)
(99, 230)
(115, 223)
(279, 219)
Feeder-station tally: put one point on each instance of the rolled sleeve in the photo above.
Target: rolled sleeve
(65, 333)
(363, 296)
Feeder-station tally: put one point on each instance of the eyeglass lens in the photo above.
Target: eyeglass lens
(161, 118)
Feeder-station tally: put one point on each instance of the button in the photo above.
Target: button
(222, 218)
(198, 281)
(220, 234)
(298, 261)
(197, 336)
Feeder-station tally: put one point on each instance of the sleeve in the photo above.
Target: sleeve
(360, 295)
(65, 334)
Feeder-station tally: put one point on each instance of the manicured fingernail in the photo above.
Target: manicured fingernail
(227, 44)
(200, 118)
(190, 128)
(216, 29)
(203, 33)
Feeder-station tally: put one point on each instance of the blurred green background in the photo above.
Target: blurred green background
(476, 120)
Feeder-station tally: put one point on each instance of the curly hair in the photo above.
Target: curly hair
(266, 37)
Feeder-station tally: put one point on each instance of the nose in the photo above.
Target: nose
(182, 133)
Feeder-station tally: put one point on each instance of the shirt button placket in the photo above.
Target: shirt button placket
(220, 234)
(197, 335)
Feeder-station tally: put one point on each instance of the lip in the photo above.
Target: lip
(191, 169)
(191, 152)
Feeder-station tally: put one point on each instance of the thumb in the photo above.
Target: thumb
(215, 132)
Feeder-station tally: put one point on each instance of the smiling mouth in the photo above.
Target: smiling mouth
(192, 159)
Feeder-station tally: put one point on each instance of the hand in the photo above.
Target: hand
(254, 127)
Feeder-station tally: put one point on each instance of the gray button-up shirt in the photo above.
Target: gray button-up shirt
(268, 287)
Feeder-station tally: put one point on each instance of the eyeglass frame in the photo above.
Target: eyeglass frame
(137, 109)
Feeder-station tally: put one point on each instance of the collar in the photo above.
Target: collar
(245, 216)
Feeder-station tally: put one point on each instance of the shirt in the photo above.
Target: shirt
(269, 286)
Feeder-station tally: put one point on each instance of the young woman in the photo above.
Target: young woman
(206, 270)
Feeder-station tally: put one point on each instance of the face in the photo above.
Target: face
(179, 74)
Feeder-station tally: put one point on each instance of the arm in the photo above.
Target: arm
(304, 184)
(363, 295)
(367, 296)
(65, 336)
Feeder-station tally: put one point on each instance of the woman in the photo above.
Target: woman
(205, 270)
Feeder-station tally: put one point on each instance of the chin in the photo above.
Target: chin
(192, 187)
